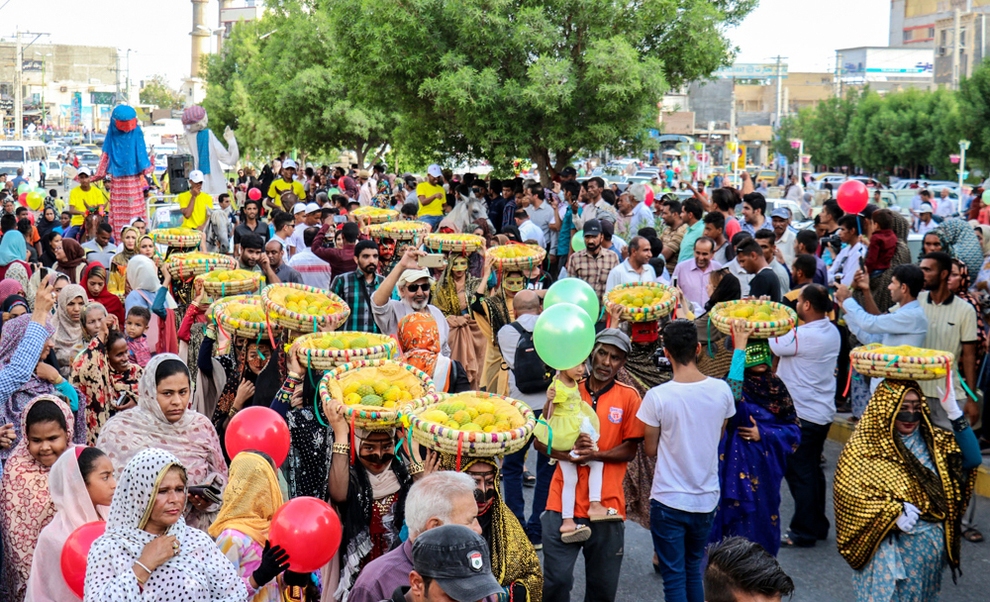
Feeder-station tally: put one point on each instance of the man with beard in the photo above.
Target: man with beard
(276, 254)
(370, 493)
(592, 265)
(250, 223)
(356, 288)
(414, 284)
(254, 259)
(621, 432)
(314, 271)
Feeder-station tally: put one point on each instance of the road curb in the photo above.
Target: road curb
(842, 429)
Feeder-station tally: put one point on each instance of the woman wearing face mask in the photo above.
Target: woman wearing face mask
(514, 561)
(149, 553)
(453, 297)
(901, 486)
(370, 494)
(492, 313)
(107, 378)
(754, 449)
(162, 419)
(25, 503)
(81, 484)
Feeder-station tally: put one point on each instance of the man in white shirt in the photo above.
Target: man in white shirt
(368, 189)
(794, 191)
(684, 420)
(924, 222)
(781, 220)
(540, 212)
(808, 356)
(846, 263)
(636, 268)
(946, 204)
(314, 271)
(528, 230)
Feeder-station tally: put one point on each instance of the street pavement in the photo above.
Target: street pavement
(819, 573)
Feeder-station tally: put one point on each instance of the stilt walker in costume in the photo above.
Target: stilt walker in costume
(207, 152)
(126, 160)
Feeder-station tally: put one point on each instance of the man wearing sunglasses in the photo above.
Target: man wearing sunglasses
(414, 284)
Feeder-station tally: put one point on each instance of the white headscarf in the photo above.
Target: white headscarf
(199, 572)
(142, 275)
(73, 510)
(192, 438)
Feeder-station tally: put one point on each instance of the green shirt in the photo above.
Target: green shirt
(691, 235)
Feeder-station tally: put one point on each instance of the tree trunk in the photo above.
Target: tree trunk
(541, 156)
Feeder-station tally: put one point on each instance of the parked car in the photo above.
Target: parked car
(54, 171)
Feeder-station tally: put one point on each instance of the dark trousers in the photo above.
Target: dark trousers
(512, 486)
(806, 480)
(602, 559)
(843, 366)
(679, 539)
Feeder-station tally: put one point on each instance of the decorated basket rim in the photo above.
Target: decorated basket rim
(868, 362)
(387, 345)
(216, 311)
(441, 241)
(405, 233)
(516, 434)
(359, 414)
(335, 318)
(376, 215)
(646, 313)
(764, 328)
(535, 258)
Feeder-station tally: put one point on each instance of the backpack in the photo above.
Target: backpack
(532, 375)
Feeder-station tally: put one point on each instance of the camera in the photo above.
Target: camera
(831, 241)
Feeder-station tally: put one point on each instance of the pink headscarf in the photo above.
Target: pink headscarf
(8, 287)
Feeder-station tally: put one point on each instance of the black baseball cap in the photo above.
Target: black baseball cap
(592, 227)
(568, 172)
(457, 559)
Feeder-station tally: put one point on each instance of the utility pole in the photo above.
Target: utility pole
(778, 76)
(18, 92)
(955, 48)
(127, 84)
(838, 75)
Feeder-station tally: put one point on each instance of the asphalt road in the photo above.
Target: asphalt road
(819, 573)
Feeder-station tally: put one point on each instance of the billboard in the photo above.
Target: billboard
(751, 70)
(887, 64)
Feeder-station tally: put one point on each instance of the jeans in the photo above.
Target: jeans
(512, 473)
(602, 560)
(432, 220)
(806, 479)
(679, 539)
(71, 232)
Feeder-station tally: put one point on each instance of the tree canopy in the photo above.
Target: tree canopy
(156, 91)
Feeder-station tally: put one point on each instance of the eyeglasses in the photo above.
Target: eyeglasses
(414, 288)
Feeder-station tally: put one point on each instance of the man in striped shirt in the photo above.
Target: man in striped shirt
(357, 287)
(314, 271)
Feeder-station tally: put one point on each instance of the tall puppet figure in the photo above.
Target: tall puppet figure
(126, 160)
(207, 151)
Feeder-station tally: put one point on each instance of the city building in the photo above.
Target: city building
(933, 24)
(885, 69)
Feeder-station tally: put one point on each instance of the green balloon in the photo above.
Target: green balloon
(576, 291)
(24, 188)
(986, 197)
(577, 242)
(564, 336)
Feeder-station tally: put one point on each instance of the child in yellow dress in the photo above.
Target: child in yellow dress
(568, 418)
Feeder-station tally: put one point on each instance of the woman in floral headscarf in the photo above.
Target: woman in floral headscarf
(419, 340)
(107, 378)
(127, 161)
(184, 432)
(25, 503)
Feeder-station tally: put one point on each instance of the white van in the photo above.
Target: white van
(24, 154)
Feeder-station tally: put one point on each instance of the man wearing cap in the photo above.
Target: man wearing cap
(194, 203)
(430, 196)
(284, 185)
(83, 200)
(307, 217)
(780, 218)
(369, 186)
(454, 560)
(924, 223)
(620, 432)
(414, 284)
(594, 263)
(440, 498)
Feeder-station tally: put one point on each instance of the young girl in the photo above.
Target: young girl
(81, 485)
(25, 503)
(566, 416)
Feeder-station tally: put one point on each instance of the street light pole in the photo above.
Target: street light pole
(963, 147)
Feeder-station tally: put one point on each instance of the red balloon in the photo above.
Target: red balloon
(254, 194)
(852, 196)
(22, 199)
(261, 429)
(648, 198)
(298, 525)
(74, 552)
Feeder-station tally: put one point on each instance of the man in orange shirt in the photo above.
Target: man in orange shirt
(616, 405)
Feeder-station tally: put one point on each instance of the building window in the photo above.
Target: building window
(931, 33)
(907, 35)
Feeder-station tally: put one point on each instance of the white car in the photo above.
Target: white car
(54, 173)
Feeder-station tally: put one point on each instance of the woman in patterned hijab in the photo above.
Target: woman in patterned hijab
(901, 486)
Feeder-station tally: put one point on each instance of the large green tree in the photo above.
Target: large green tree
(157, 92)
(542, 79)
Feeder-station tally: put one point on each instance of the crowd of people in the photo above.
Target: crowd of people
(106, 356)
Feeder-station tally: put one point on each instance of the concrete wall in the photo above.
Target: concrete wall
(711, 101)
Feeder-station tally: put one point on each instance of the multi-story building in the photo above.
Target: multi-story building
(933, 24)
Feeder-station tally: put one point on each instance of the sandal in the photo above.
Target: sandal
(579, 535)
(611, 514)
(972, 536)
(788, 541)
(528, 479)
